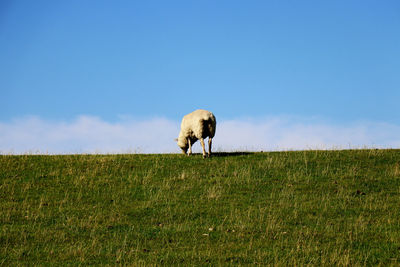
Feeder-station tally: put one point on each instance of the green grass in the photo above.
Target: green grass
(279, 208)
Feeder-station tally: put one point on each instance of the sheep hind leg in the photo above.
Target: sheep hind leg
(190, 147)
(202, 146)
(209, 146)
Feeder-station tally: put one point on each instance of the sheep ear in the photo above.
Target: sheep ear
(176, 139)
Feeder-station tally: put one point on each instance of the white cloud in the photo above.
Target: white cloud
(284, 133)
(87, 134)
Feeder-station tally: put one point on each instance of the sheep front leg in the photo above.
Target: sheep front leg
(190, 147)
(202, 146)
(209, 146)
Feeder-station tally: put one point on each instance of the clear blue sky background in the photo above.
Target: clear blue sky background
(339, 60)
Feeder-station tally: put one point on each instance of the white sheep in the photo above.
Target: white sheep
(197, 126)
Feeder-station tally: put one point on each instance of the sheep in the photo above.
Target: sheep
(197, 126)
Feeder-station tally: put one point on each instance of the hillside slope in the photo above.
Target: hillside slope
(305, 207)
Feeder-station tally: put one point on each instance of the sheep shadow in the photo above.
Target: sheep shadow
(230, 154)
(223, 154)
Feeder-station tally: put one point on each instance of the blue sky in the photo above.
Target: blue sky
(338, 61)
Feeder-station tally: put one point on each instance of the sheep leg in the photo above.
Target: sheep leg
(209, 146)
(190, 147)
(202, 146)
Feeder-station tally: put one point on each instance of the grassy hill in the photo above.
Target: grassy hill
(284, 208)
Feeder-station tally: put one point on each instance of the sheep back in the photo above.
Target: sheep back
(198, 124)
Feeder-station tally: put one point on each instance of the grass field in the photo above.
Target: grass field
(278, 208)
